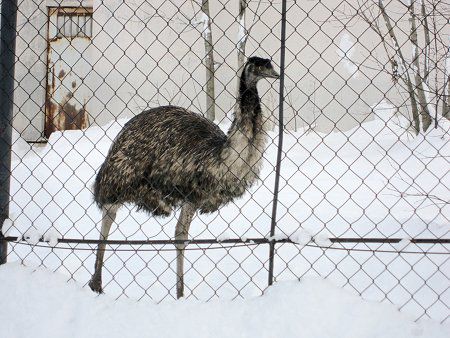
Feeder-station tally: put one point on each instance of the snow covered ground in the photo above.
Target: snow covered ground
(366, 182)
(38, 303)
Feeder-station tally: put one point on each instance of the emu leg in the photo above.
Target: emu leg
(109, 215)
(181, 234)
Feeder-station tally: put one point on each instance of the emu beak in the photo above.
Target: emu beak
(272, 74)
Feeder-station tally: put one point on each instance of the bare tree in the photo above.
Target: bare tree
(412, 73)
(446, 99)
(241, 40)
(242, 33)
(446, 91)
(418, 78)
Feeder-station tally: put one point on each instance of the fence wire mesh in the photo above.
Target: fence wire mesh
(363, 187)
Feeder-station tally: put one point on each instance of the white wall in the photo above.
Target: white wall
(31, 51)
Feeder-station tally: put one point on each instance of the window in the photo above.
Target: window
(74, 22)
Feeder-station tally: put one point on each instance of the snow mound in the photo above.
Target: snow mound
(20, 147)
(38, 303)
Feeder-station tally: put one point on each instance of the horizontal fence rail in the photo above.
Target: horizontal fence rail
(235, 240)
(239, 242)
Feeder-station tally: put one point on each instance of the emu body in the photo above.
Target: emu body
(169, 157)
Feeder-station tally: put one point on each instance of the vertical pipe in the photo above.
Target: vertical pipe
(7, 61)
(280, 140)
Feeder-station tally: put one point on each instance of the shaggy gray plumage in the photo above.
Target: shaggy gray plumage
(168, 156)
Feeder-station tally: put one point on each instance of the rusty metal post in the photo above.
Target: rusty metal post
(7, 61)
(280, 141)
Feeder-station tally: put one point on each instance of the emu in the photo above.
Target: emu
(169, 157)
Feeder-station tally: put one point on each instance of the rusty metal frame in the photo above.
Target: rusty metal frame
(50, 107)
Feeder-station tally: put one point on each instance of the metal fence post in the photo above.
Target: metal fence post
(7, 62)
(280, 140)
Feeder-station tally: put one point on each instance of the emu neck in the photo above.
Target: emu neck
(246, 139)
(247, 115)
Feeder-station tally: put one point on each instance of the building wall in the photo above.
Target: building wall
(30, 71)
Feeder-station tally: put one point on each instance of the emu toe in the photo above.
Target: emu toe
(96, 285)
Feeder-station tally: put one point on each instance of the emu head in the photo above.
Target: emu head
(258, 68)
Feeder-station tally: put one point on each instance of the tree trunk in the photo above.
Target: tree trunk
(446, 99)
(241, 41)
(209, 61)
(404, 74)
(242, 34)
(419, 82)
(426, 28)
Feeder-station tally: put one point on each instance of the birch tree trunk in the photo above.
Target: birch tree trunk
(404, 74)
(426, 27)
(419, 81)
(242, 34)
(446, 99)
(446, 86)
(209, 61)
(241, 41)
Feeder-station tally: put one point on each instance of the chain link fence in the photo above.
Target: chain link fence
(360, 127)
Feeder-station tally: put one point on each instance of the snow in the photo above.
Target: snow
(302, 237)
(322, 240)
(204, 18)
(38, 303)
(361, 183)
(52, 236)
(20, 146)
(225, 236)
(32, 236)
(403, 244)
(242, 32)
(346, 51)
(277, 237)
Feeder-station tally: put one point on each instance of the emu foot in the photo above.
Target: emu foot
(96, 285)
